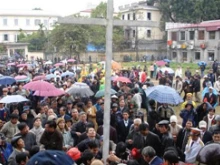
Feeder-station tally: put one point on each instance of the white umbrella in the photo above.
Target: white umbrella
(13, 99)
(169, 70)
(48, 63)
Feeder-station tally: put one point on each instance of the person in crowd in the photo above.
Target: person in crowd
(100, 114)
(215, 127)
(112, 134)
(210, 97)
(91, 113)
(178, 84)
(210, 118)
(37, 129)
(211, 76)
(165, 112)
(5, 149)
(178, 72)
(202, 110)
(152, 116)
(22, 158)
(188, 113)
(205, 81)
(189, 97)
(62, 113)
(196, 88)
(206, 136)
(137, 99)
(217, 87)
(149, 155)
(174, 127)
(188, 73)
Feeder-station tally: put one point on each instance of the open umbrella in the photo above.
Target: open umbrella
(202, 63)
(59, 64)
(6, 80)
(164, 94)
(22, 65)
(50, 76)
(13, 99)
(160, 63)
(48, 63)
(80, 89)
(167, 60)
(67, 73)
(22, 78)
(123, 79)
(40, 77)
(101, 93)
(169, 70)
(71, 60)
(11, 64)
(39, 86)
(45, 93)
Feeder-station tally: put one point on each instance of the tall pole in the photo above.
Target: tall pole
(109, 34)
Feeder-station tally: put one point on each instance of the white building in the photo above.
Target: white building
(12, 22)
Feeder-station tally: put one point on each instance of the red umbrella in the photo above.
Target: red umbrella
(161, 63)
(123, 79)
(41, 77)
(55, 92)
(21, 65)
(40, 86)
(59, 64)
(71, 60)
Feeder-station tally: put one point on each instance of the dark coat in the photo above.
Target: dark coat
(113, 133)
(207, 137)
(185, 115)
(82, 146)
(166, 141)
(84, 136)
(52, 141)
(212, 100)
(157, 161)
(122, 130)
(201, 112)
(196, 85)
(100, 117)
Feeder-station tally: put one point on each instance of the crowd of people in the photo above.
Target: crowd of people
(142, 131)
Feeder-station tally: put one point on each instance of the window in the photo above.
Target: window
(174, 55)
(211, 56)
(27, 22)
(37, 22)
(45, 22)
(191, 35)
(174, 36)
(134, 16)
(182, 36)
(184, 56)
(5, 37)
(148, 33)
(16, 22)
(211, 35)
(134, 33)
(128, 16)
(123, 17)
(149, 16)
(5, 22)
(201, 35)
(197, 55)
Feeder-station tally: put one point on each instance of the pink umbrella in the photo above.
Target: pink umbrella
(21, 77)
(59, 64)
(39, 86)
(71, 60)
(41, 77)
(55, 92)
(11, 64)
(21, 65)
(123, 79)
(161, 63)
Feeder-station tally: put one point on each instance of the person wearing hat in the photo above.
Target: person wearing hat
(206, 136)
(165, 112)
(28, 137)
(174, 127)
(18, 147)
(211, 76)
(193, 145)
(100, 115)
(215, 127)
(188, 113)
(37, 129)
(210, 97)
(10, 128)
(166, 138)
(205, 81)
(74, 153)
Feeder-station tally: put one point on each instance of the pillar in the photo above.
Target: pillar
(9, 55)
(25, 51)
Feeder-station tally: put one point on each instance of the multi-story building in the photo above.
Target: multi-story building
(12, 22)
(194, 42)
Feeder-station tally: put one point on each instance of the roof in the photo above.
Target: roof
(28, 13)
(87, 11)
(213, 25)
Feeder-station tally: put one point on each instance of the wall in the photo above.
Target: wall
(35, 55)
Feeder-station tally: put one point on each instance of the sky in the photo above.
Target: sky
(61, 7)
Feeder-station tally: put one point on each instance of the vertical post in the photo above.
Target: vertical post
(109, 32)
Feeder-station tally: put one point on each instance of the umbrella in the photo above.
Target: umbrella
(164, 94)
(6, 80)
(22, 65)
(11, 64)
(160, 63)
(59, 64)
(40, 77)
(71, 60)
(45, 93)
(67, 73)
(101, 93)
(80, 89)
(167, 60)
(169, 70)
(39, 86)
(13, 99)
(123, 79)
(50, 76)
(116, 65)
(201, 63)
(48, 63)
(22, 78)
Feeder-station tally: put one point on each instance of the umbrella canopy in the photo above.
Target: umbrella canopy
(67, 73)
(167, 60)
(59, 64)
(41, 77)
(39, 86)
(101, 93)
(54, 92)
(11, 64)
(202, 63)
(50, 76)
(123, 79)
(169, 70)
(80, 89)
(164, 94)
(48, 63)
(21, 77)
(160, 63)
(6, 80)
(13, 99)
(22, 65)
(71, 60)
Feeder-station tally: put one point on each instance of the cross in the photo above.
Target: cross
(109, 22)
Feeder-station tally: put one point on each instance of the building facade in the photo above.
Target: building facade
(194, 42)
(12, 22)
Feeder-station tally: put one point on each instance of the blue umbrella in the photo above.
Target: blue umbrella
(67, 73)
(101, 93)
(202, 63)
(164, 94)
(166, 60)
(6, 80)
(50, 76)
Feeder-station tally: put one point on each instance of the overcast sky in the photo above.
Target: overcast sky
(62, 7)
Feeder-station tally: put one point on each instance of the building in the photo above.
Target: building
(12, 22)
(194, 42)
